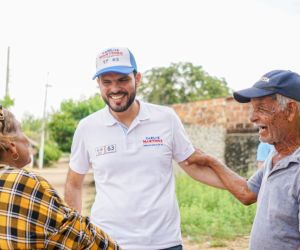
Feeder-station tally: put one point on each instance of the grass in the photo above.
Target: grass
(210, 213)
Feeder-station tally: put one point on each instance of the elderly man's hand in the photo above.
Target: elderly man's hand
(200, 167)
(201, 159)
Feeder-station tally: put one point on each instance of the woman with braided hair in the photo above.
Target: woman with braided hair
(14, 145)
(32, 215)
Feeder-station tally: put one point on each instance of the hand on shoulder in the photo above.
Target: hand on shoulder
(201, 159)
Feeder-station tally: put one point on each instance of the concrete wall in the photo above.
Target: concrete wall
(211, 140)
(240, 152)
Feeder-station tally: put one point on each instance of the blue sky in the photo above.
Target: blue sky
(236, 39)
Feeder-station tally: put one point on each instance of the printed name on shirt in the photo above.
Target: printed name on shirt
(106, 149)
(152, 141)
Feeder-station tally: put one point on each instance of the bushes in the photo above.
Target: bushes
(51, 153)
(63, 123)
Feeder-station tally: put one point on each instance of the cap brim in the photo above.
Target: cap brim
(246, 95)
(117, 69)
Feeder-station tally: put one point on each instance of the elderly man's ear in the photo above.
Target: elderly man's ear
(292, 111)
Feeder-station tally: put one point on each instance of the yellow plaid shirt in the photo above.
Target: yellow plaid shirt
(33, 216)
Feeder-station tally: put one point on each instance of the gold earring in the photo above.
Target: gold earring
(15, 156)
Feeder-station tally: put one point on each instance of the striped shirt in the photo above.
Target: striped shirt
(33, 216)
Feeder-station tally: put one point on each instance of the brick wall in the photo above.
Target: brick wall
(220, 112)
(221, 127)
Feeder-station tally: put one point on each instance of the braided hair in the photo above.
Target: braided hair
(9, 127)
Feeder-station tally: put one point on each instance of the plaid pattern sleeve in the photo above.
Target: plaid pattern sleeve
(33, 216)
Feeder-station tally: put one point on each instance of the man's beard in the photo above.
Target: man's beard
(121, 108)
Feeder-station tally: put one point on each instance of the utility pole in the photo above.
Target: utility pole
(42, 143)
(7, 73)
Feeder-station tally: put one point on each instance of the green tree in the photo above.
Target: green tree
(52, 152)
(63, 123)
(7, 101)
(180, 83)
(31, 126)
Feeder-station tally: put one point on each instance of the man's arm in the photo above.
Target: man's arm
(203, 174)
(73, 189)
(234, 183)
(72, 230)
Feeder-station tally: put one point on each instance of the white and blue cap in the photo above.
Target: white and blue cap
(116, 60)
(283, 82)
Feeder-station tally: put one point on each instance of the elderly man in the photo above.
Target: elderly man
(276, 187)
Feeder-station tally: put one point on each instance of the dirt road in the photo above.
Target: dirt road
(56, 175)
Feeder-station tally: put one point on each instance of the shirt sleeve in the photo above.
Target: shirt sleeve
(65, 228)
(182, 147)
(79, 158)
(296, 189)
(254, 182)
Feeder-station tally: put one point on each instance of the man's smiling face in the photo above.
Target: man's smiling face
(118, 90)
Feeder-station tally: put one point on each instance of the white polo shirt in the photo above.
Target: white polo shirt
(135, 189)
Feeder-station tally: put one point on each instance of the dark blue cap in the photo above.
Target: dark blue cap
(283, 82)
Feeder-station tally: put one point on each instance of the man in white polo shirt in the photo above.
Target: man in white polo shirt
(130, 146)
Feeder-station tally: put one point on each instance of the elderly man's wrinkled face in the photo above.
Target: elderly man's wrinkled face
(269, 118)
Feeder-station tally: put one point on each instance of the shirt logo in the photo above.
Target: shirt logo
(106, 149)
(152, 141)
